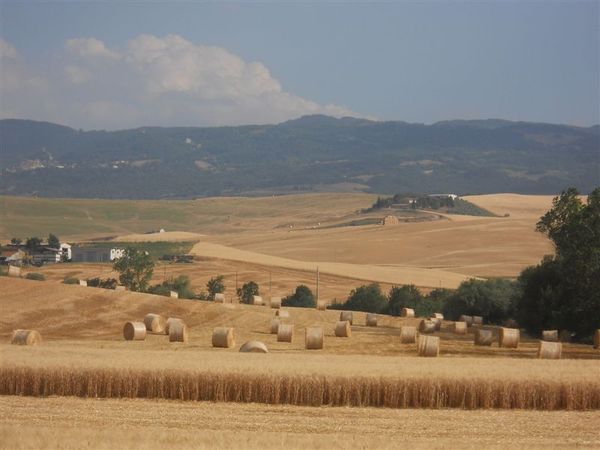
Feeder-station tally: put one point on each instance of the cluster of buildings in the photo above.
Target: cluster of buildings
(19, 254)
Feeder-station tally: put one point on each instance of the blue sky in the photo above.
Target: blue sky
(115, 65)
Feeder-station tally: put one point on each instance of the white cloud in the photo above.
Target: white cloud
(161, 81)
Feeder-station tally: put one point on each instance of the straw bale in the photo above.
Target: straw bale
(174, 294)
(285, 332)
(178, 331)
(275, 302)
(314, 338)
(26, 337)
(134, 331)
(437, 316)
(407, 312)
(437, 323)
(408, 335)
(82, 282)
(550, 335)
(346, 315)
(483, 337)
(467, 319)
(155, 323)
(428, 346)
(321, 305)
(223, 337)
(275, 325)
(549, 350)
(254, 347)
(343, 329)
(257, 300)
(477, 320)
(168, 323)
(219, 298)
(509, 337)
(282, 313)
(371, 320)
(426, 326)
(460, 327)
(14, 271)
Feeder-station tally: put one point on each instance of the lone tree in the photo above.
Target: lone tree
(215, 286)
(53, 241)
(32, 243)
(368, 298)
(247, 291)
(303, 298)
(135, 269)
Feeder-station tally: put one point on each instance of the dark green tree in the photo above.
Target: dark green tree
(16, 241)
(32, 243)
(247, 291)
(368, 298)
(135, 269)
(179, 284)
(53, 241)
(302, 297)
(215, 285)
(407, 296)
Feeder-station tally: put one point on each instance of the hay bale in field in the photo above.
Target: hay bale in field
(467, 319)
(314, 338)
(26, 337)
(178, 331)
(426, 326)
(282, 313)
(428, 346)
(257, 300)
(550, 335)
(343, 329)
(321, 305)
(168, 323)
(407, 312)
(439, 316)
(565, 336)
(155, 323)
(390, 220)
(477, 321)
(549, 350)
(174, 294)
(408, 335)
(134, 331)
(483, 337)
(459, 327)
(220, 298)
(14, 271)
(120, 288)
(597, 339)
(347, 316)
(285, 332)
(275, 325)
(223, 337)
(82, 282)
(275, 302)
(437, 322)
(371, 320)
(254, 347)
(509, 337)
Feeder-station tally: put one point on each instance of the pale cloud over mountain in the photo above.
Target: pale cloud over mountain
(151, 81)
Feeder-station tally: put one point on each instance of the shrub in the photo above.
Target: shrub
(368, 298)
(35, 276)
(215, 285)
(179, 284)
(71, 280)
(247, 291)
(302, 297)
(407, 296)
(108, 283)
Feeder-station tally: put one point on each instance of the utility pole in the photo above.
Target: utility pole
(236, 287)
(270, 292)
(317, 285)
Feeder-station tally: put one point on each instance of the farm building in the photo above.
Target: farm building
(95, 254)
(12, 256)
(46, 255)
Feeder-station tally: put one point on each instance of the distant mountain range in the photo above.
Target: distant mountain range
(313, 153)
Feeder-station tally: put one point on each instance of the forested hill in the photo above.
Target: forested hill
(308, 154)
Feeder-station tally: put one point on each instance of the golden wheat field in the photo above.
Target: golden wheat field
(84, 386)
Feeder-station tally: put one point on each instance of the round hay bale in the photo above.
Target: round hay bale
(314, 338)
(168, 323)
(549, 350)
(257, 300)
(597, 339)
(134, 331)
(275, 325)
(347, 316)
(437, 322)
(407, 312)
(223, 337)
(565, 336)
(254, 347)
(174, 294)
(428, 346)
(467, 319)
(550, 335)
(439, 316)
(477, 320)
(321, 305)
(219, 298)
(178, 331)
(343, 329)
(26, 337)
(283, 313)
(459, 327)
(426, 326)
(483, 337)
(275, 302)
(408, 335)
(509, 337)
(155, 323)
(371, 320)
(285, 332)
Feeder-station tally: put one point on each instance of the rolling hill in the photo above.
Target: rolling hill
(313, 153)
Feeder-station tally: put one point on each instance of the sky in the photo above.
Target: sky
(116, 65)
